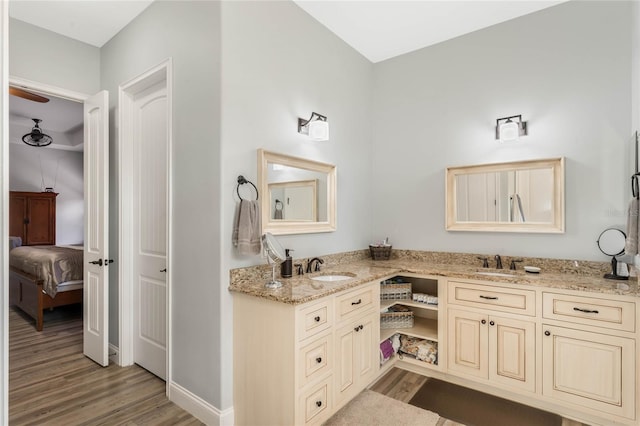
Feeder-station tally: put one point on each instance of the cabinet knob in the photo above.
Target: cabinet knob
(317, 319)
(547, 333)
(484, 321)
(318, 360)
(319, 403)
(492, 323)
(358, 328)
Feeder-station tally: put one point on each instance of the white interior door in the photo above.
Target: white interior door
(151, 136)
(299, 203)
(96, 228)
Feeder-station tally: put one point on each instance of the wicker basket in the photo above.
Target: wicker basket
(380, 252)
(395, 291)
(396, 320)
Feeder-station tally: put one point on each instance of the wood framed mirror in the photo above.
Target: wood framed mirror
(298, 195)
(522, 196)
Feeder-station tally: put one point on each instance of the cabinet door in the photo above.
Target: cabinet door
(356, 356)
(41, 229)
(512, 352)
(592, 370)
(18, 216)
(345, 375)
(468, 339)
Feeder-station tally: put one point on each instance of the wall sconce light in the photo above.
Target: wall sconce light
(509, 130)
(316, 127)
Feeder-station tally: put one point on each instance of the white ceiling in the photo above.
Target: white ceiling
(380, 30)
(93, 22)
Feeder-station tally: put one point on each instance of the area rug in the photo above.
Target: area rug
(475, 408)
(371, 408)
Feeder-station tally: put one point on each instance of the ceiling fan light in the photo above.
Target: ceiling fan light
(36, 137)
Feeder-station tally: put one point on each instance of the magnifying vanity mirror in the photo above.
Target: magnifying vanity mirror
(300, 194)
(521, 196)
(611, 242)
(276, 254)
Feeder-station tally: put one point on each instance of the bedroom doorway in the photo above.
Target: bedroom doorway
(95, 208)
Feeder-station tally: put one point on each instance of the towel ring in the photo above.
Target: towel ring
(241, 181)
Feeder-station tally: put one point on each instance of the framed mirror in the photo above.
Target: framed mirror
(522, 196)
(299, 195)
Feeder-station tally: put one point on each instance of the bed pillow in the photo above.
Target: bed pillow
(14, 242)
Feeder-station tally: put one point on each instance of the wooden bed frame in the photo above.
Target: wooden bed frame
(26, 292)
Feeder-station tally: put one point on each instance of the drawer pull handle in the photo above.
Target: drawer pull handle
(319, 403)
(586, 311)
(358, 328)
(547, 333)
(356, 303)
(317, 319)
(318, 360)
(488, 297)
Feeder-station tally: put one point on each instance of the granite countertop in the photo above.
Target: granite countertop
(302, 289)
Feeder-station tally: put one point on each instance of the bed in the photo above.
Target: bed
(42, 277)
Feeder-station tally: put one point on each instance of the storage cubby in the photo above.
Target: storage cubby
(420, 296)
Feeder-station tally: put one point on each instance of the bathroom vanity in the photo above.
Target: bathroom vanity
(561, 342)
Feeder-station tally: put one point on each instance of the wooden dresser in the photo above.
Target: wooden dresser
(32, 217)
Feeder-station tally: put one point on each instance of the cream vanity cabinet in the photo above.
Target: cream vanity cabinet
(486, 341)
(589, 352)
(297, 364)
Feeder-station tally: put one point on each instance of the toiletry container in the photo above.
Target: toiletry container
(286, 267)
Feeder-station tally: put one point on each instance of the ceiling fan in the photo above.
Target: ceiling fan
(36, 137)
(21, 93)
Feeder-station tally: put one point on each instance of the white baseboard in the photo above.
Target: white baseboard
(200, 408)
(114, 354)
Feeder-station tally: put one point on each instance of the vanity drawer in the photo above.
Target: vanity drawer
(315, 359)
(315, 403)
(315, 318)
(605, 313)
(354, 302)
(498, 298)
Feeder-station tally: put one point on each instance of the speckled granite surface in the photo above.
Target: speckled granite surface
(556, 273)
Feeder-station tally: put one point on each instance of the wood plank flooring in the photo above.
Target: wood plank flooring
(52, 383)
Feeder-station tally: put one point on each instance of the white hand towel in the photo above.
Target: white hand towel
(247, 227)
(631, 243)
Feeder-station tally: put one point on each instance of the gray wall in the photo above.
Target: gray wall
(65, 169)
(189, 32)
(64, 62)
(279, 64)
(566, 69)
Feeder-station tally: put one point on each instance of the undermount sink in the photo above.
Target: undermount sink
(497, 274)
(334, 277)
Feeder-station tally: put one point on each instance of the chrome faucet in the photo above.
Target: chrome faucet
(498, 261)
(318, 262)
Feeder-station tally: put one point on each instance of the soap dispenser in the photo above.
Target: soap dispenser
(286, 267)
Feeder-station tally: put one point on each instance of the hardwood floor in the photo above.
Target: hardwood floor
(52, 383)
(399, 384)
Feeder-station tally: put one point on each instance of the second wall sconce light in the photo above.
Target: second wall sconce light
(509, 130)
(316, 127)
